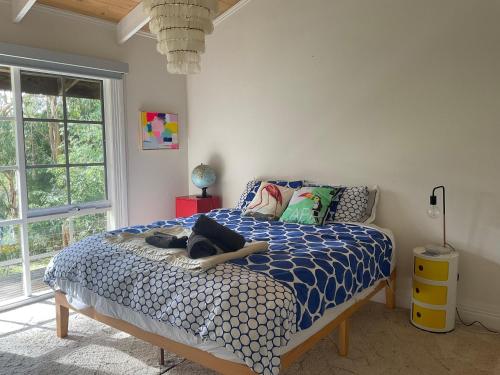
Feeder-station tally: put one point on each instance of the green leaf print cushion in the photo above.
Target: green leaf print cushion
(310, 205)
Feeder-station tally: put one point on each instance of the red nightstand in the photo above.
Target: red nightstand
(190, 205)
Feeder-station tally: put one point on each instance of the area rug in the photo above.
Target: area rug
(382, 342)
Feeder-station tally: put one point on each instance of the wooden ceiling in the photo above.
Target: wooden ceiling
(110, 10)
(225, 5)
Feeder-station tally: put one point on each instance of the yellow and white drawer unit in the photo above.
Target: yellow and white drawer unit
(434, 297)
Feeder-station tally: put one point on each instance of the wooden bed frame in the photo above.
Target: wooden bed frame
(210, 361)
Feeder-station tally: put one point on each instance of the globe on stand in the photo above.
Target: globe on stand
(202, 177)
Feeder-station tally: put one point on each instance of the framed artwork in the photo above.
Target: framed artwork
(159, 131)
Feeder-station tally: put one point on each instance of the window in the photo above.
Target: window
(64, 141)
(53, 179)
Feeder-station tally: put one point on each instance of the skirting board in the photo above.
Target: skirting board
(488, 315)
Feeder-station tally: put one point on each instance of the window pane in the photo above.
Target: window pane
(11, 282)
(48, 236)
(42, 96)
(10, 247)
(8, 195)
(46, 187)
(11, 277)
(85, 143)
(7, 143)
(87, 184)
(44, 143)
(83, 99)
(6, 102)
(45, 237)
(84, 226)
(37, 270)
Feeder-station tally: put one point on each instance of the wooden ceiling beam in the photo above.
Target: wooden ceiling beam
(20, 8)
(132, 23)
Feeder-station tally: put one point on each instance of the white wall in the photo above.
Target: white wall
(400, 93)
(155, 177)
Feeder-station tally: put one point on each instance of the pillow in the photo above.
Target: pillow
(242, 202)
(269, 202)
(253, 186)
(352, 206)
(310, 205)
(371, 209)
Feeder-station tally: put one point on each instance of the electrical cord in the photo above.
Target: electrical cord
(475, 322)
(450, 246)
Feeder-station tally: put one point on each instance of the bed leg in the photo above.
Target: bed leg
(162, 357)
(390, 291)
(62, 317)
(344, 337)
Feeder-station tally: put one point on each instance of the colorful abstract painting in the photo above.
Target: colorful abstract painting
(159, 130)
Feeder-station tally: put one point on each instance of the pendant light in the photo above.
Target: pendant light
(180, 27)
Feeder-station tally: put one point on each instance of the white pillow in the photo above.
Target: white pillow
(351, 207)
(270, 201)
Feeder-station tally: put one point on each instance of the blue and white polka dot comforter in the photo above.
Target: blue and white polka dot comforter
(252, 305)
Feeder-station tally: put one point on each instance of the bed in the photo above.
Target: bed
(254, 315)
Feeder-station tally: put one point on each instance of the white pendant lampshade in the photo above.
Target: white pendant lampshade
(180, 27)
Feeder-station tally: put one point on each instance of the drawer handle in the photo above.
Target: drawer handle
(421, 268)
(417, 290)
(419, 315)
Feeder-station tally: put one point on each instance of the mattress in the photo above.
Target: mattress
(253, 308)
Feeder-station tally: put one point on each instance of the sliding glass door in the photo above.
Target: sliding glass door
(53, 184)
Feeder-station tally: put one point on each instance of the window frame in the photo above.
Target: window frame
(67, 165)
(12, 167)
(115, 205)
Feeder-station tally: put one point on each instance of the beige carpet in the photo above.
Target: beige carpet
(382, 342)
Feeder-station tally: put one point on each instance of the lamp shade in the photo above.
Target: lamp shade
(180, 27)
